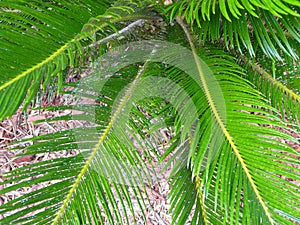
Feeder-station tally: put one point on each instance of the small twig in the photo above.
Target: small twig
(122, 31)
(9, 132)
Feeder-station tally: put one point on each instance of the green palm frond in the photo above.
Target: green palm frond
(191, 8)
(91, 182)
(28, 64)
(49, 45)
(284, 99)
(184, 191)
(228, 162)
(243, 29)
(243, 163)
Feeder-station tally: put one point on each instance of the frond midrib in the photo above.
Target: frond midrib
(222, 125)
(199, 188)
(125, 99)
(268, 77)
(65, 47)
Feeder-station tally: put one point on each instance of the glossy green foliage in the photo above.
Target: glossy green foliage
(225, 112)
(239, 23)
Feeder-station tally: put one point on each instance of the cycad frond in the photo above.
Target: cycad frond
(260, 27)
(100, 180)
(229, 161)
(232, 8)
(284, 99)
(249, 149)
(53, 37)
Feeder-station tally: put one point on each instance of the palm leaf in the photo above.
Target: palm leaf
(237, 175)
(94, 172)
(191, 8)
(220, 175)
(66, 34)
(246, 26)
(283, 98)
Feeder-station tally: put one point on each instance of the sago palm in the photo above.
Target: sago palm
(209, 72)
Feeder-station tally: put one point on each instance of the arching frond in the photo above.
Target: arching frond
(283, 98)
(53, 39)
(229, 164)
(96, 185)
(250, 144)
(247, 28)
(231, 9)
